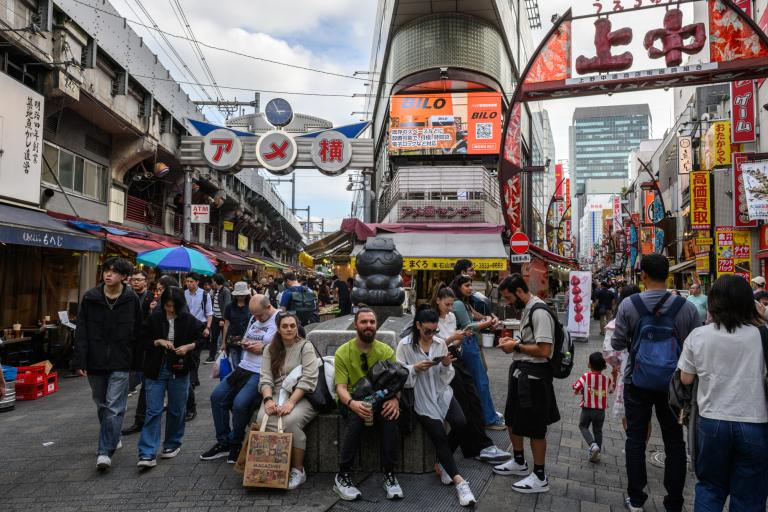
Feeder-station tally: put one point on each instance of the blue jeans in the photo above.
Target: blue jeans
(110, 393)
(225, 398)
(235, 355)
(732, 460)
(473, 362)
(177, 389)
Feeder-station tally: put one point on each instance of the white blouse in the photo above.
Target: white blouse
(431, 388)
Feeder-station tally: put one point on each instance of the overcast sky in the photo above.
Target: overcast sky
(336, 35)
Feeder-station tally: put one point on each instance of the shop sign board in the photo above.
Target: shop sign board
(755, 176)
(49, 239)
(743, 111)
(228, 225)
(700, 214)
(222, 149)
(702, 263)
(331, 152)
(276, 151)
(742, 253)
(519, 258)
(616, 213)
(724, 254)
(763, 237)
(480, 264)
(579, 303)
(447, 123)
(242, 242)
(440, 212)
(684, 155)
(201, 213)
(21, 141)
(558, 181)
(717, 148)
(740, 206)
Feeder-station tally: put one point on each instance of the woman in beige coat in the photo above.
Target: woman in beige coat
(286, 352)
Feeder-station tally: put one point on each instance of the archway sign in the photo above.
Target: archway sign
(726, 45)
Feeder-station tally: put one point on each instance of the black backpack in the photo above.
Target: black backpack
(563, 349)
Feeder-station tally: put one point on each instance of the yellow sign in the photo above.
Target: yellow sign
(242, 242)
(702, 263)
(495, 264)
(717, 151)
(229, 225)
(704, 241)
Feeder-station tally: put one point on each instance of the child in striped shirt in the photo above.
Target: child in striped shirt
(593, 387)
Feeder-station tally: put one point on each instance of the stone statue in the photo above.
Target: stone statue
(378, 281)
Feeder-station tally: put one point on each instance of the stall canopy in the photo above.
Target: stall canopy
(23, 226)
(271, 263)
(686, 266)
(336, 243)
(230, 260)
(138, 245)
(552, 258)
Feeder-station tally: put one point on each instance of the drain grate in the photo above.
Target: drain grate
(424, 491)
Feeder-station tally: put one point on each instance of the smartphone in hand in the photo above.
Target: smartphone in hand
(437, 360)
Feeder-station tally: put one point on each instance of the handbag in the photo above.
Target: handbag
(225, 367)
(680, 397)
(320, 399)
(268, 457)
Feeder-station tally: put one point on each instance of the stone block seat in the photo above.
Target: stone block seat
(417, 454)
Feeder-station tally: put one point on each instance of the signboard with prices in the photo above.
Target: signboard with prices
(734, 252)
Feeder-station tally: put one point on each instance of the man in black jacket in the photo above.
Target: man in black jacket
(108, 326)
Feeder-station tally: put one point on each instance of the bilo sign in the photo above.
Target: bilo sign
(458, 123)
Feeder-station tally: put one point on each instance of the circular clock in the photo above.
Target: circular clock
(279, 112)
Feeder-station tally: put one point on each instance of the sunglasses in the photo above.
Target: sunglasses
(364, 361)
(430, 332)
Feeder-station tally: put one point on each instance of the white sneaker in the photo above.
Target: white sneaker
(147, 463)
(103, 462)
(594, 453)
(466, 498)
(119, 444)
(342, 485)
(494, 455)
(511, 468)
(296, 478)
(445, 478)
(392, 487)
(531, 484)
(169, 453)
(629, 506)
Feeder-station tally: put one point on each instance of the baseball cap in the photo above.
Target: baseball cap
(759, 280)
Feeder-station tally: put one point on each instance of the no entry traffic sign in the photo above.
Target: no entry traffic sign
(519, 243)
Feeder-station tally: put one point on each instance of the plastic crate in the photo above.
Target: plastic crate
(51, 383)
(28, 375)
(30, 392)
(9, 373)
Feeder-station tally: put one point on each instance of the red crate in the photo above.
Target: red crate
(29, 375)
(30, 392)
(51, 383)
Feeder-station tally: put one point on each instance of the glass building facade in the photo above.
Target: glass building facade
(602, 138)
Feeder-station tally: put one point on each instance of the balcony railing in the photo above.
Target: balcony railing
(143, 212)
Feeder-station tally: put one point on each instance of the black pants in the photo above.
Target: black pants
(193, 381)
(465, 393)
(638, 405)
(446, 444)
(141, 405)
(389, 439)
(596, 418)
(213, 343)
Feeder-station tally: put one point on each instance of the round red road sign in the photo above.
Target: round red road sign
(519, 243)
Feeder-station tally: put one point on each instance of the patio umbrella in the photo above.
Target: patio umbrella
(179, 259)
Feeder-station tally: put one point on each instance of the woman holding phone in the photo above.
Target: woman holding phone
(430, 371)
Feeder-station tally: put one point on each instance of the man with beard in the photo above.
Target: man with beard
(352, 362)
(531, 404)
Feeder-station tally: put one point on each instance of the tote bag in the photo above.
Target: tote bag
(268, 457)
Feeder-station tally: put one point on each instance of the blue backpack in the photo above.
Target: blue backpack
(656, 345)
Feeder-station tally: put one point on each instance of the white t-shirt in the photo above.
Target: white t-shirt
(731, 371)
(447, 325)
(258, 331)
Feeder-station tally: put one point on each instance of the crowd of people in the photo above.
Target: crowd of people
(717, 343)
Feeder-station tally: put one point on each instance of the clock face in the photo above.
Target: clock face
(279, 112)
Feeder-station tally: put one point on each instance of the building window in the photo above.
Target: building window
(75, 173)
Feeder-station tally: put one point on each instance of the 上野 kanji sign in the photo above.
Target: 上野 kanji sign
(201, 213)
(222, 149)
(700, 217)
(331, 152)
(519, 243)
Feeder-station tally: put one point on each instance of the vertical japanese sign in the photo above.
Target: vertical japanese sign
(742, 111)
(684, 155)
(700, 217)
(742, 252)
(567, 222)
(717, 152)
(724, 244)
(646, 240)
(648, 197)
(616, 213)
(740, 205)
(558, 181)
(579, 303)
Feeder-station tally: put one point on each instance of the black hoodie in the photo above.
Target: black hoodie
(106, 338)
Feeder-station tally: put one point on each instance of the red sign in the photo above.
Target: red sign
(743, 111)
(764, 237)
(740, 210)
(558, 181)
(519, 243)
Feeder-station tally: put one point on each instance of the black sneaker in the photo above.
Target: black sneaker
(234, 454)
(190, 416)
(218, 451)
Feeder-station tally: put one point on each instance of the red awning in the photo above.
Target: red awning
(137, 245)
(230, 260)
(552, 258)
(362, 231)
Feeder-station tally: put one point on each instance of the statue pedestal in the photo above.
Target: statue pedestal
(384, 312)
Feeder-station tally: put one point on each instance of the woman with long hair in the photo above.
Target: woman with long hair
(475, 442)
(462, 289)
(732, 433)
(430, 371)
(286, 352)
(169, 337)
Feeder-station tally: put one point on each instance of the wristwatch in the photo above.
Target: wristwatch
(268, 399)
(517, 347)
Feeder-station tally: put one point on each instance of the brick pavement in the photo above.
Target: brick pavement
(62, 475)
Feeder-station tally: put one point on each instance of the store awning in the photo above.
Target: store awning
(137, 245)
(217, 255)
(272, 264)
(552, 258)
(23, 226)
(339, 242)
(686, 266)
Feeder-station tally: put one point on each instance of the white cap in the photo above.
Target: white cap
(759, 280)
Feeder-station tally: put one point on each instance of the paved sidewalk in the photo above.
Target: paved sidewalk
(62, 475)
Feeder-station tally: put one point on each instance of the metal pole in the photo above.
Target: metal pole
(293, 192)
(367, 217)
(187, 204)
